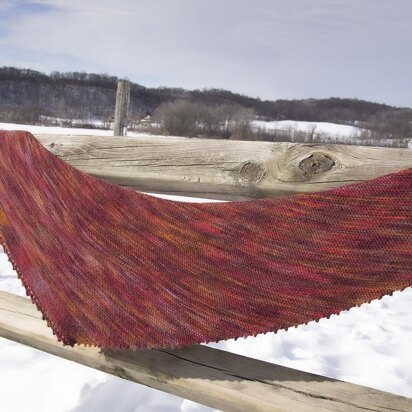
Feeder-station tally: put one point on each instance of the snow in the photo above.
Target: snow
(320, 128)
(329, 129)
(369, 345)
(307, 132)
(72, 131)
(55, 130)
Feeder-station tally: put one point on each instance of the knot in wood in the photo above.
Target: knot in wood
(252, 172)
(316, 164)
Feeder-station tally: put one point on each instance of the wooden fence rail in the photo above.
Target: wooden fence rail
(212, 377)
(224, 169)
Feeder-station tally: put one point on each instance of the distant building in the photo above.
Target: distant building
(147, 118)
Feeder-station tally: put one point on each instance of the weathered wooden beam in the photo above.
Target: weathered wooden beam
(122, 108)
(224, 169)
(209, 376)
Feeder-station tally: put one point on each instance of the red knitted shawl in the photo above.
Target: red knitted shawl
(112, 267)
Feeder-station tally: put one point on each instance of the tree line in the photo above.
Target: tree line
(27, 95)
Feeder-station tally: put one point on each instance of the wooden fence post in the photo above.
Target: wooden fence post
(122, 108)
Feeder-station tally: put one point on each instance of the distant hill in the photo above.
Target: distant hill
(25, 95)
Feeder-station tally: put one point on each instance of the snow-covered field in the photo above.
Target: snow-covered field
(321, 128)
(369, 345)
(300, 131)
(324, 129)
(75, 131)
(55, 130)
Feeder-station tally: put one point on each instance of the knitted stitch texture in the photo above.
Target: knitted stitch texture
(112, 267)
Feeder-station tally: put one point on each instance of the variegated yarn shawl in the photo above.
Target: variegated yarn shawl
(115, 268)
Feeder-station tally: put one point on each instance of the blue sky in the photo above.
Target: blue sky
(10, 10)
(269, 48)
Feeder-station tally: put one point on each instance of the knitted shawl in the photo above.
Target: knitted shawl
(111, 267)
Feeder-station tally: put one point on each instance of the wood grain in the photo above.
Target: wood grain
(122, 108)
(209, 376)
(222, 169)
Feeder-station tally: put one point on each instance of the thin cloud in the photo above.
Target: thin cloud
(273, 49)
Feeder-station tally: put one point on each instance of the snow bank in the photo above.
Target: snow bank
(73, 131)
(55, 130)
(320, 128)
